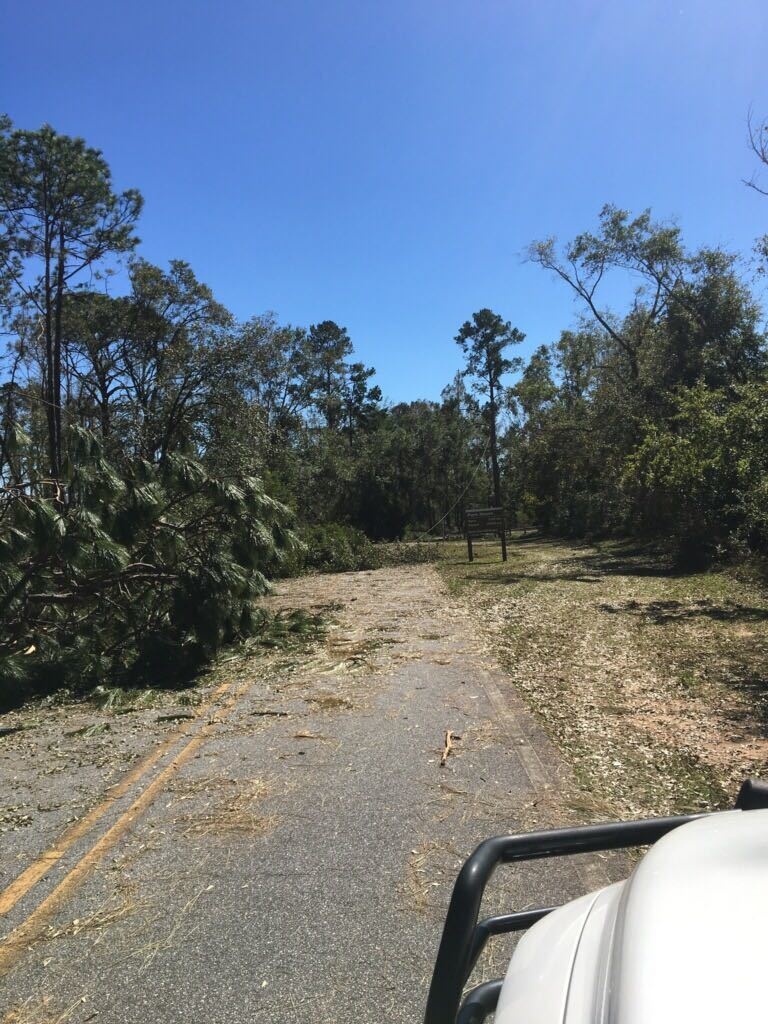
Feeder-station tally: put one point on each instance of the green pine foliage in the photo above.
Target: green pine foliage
(332, 547)
(336, 547)
(137, 576)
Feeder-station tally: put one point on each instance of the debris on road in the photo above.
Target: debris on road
(450, 737)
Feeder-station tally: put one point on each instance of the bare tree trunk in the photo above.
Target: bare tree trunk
(57, 350)
(494, 449)
(48, 374)
(105, 415)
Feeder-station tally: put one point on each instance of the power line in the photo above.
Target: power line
(453, 506)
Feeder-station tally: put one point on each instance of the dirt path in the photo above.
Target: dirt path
(287, 853)
(653, 682)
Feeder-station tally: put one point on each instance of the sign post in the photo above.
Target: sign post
(482, 521)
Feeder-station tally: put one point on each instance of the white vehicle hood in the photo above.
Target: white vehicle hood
(683, 939)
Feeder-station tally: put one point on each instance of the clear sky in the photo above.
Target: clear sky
(384, 164)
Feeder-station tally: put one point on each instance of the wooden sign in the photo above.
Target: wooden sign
(479, 522)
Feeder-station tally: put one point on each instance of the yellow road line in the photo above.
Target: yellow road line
(21, 937)
(40, 867)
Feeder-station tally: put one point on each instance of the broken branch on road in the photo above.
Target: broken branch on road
(450, 739)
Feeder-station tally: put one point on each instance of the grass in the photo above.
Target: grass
(654, 683)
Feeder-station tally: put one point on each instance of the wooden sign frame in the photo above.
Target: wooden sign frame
(479, 522)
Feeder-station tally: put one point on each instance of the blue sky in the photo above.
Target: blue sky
(385, 164)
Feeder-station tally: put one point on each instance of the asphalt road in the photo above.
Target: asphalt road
(289, 857)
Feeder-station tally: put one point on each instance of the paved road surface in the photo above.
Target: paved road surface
(295, 866)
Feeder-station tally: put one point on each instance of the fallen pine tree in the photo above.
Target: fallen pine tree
(130, 576)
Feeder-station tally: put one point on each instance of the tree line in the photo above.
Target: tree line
(649, 421)
(161, 460)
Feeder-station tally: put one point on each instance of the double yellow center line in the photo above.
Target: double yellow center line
(25, 933)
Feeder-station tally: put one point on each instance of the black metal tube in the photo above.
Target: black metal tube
(516, 922)
(499, 925)
(479, 1003)
(614, 835)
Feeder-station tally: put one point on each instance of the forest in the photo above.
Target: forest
(161, 461)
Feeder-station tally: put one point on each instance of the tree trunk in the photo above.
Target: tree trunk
(57, 350)
(105, 417)
(48, 383)
(494, 451)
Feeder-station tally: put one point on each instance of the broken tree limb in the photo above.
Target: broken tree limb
(447, 748)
